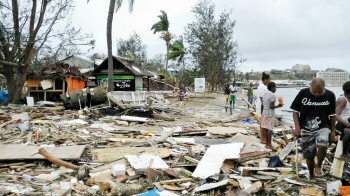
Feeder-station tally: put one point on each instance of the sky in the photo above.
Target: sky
(271, 34)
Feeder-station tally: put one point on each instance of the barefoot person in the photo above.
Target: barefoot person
(314, 116)
(233, 90)
(268, 114)
(262, 89)
(343, 117)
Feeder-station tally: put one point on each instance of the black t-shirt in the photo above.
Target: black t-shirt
(227, 91)
(314, 112)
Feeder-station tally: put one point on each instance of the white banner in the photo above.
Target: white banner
(199, 85)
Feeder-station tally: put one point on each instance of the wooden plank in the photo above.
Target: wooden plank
(29, 152)
(167, 134)
(226, 130)
(338, 164)
(112, 154)
(182, 180)
(286, 151)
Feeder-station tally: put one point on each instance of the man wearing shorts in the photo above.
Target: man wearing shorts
(233, 90)
(314, 116)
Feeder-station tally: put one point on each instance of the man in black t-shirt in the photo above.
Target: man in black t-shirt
(314, 116)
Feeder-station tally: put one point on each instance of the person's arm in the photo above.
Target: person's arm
(273, 106)
(297, 129)
(341, 103)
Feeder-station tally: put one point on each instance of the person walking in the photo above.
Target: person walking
(343, 119)
(314, 116)
(233, 90)
(262, 89)
(268, 114)
(227, 93)
(250, 95)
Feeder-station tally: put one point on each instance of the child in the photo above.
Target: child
(268, 114)
(181, 95)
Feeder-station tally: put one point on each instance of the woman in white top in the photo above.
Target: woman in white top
(343, 117)
(262, 89)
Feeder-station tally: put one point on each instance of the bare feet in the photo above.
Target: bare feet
(268, 147)
(318, 172)
(346, 157)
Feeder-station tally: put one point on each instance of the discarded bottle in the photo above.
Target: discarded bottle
(27, 177)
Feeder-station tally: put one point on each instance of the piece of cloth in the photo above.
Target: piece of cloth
(267, 99)
(314, 112)
(275, 161)
(34, 83)
(250, 91)
(345, 113)
(262, 89)
(310, 141)
(75, 85)
(232, 89)
(232, 97)
(267, 122)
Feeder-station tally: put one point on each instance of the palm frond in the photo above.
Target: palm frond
(162, 25)
(131, 5)
(118, 4)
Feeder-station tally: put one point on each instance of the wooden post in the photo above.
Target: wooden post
(296, 158)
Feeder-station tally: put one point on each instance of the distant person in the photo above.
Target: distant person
(268, 114)
(343, 119)
(314, 115)
(181, 95)
(250, 95)
(233, 90)
(227, 93)
(262, 89)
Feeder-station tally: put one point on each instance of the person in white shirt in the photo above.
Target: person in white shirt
(233, 90)
(262, 89)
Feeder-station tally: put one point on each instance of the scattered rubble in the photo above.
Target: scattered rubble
(153, 144)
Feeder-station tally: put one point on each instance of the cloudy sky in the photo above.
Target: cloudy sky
(270, 33)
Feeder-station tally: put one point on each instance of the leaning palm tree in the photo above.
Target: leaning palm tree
(162, 26)
(177, 52)
(114, 6)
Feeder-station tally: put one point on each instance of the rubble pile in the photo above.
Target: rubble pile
(152, 147)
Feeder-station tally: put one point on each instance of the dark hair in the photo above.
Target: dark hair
(271, 85)
(265, 76)
(346, 87)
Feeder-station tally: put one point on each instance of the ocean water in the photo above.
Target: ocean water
(288, 95)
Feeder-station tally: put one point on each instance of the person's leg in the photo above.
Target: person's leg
(311, 166)
(322, 138)
(308, 146)
(269, 139)
(263, 131)
(346, 140)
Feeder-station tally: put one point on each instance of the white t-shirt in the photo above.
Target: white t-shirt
(232, 88)
(262, 89)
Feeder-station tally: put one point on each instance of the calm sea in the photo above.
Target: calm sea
(289, 94)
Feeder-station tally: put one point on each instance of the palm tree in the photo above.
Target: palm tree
(178, 52)
(162, 26)
(114, 6)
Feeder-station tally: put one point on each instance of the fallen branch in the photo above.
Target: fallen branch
(57, 161)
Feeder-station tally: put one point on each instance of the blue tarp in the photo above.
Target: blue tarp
(157, 192)
(4, 95)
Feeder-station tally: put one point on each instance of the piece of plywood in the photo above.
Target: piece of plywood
(338, 164)
(142, 162)
(251, 143)
(209, 186)
(214, 157)
(226, 130)
(110, 154)
(286, 151)
(30, 152)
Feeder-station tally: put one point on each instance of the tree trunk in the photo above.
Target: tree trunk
(167, 55)
(109, 45)
(15, 79)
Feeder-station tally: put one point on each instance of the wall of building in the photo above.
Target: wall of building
(139, 83)
(334, 78)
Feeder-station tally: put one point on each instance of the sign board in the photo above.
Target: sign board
(124, 85)
(199, 85)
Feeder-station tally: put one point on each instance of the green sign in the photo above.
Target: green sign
(120, 77)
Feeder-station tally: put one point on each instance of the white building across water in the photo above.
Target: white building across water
(334, 76)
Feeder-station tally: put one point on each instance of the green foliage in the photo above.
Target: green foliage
(132, 48)
(212, 48)
(162, 25)
(165, 75)
(177, 51)
(187, 77)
